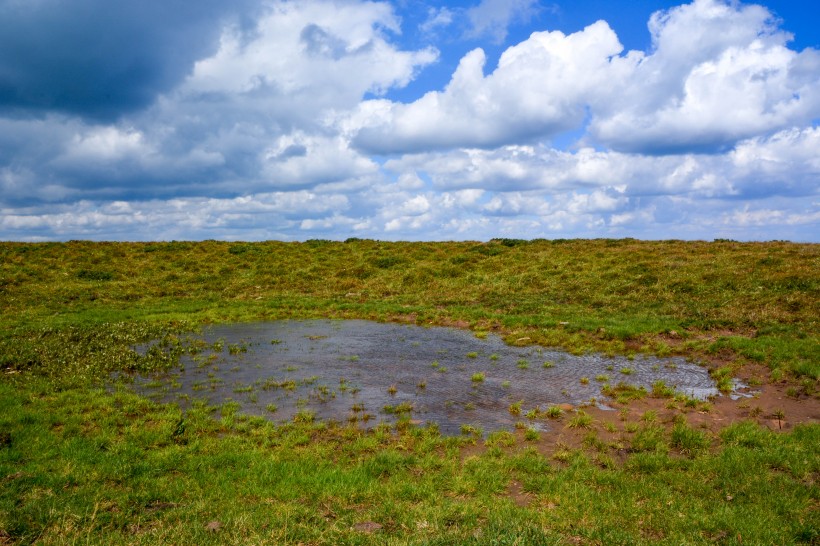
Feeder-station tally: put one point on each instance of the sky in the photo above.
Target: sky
(409, 120)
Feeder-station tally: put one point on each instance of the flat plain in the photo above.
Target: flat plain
(83, 458)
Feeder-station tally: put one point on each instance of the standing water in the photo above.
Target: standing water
(371, 372)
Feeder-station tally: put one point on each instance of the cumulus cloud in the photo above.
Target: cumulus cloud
(718, 73)
(327, 53)
(784, 164)
(537, 90)
(220, 130)
(301, 160)
(281, 126)
(265, 216)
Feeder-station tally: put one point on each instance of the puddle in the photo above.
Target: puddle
(372, 372)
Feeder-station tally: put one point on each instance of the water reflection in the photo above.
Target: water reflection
(372, 372)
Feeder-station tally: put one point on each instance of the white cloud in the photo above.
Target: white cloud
(719, 73)
(298, 159)
(314, 54)
(219, 132)
(437, 19)
(537, 90)
(493, 17)
(266, 215)
(712, 133)
(785, 163)
(106, 143)
(596, 201)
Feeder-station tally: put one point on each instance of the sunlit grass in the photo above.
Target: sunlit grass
(602, 293)
(80, 463)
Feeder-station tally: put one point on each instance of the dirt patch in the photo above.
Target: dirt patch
(461, 324)
(367, 527)
(516, 493)
(609, 436)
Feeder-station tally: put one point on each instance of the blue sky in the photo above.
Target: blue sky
(405, 120)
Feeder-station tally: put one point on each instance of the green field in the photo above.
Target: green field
(85, 460)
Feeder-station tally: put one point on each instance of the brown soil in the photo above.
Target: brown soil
(608, 433)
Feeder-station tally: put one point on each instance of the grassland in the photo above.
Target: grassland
(83, 463)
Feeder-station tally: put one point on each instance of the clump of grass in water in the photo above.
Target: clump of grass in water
(523, 364)
(478, 377)
(404, 407)
(624, 393)
(470, 430)
(723, 379)
(548, 364)
(304, 417)
(515, 408)
(472, 355)
(661, 390)
(237, 348)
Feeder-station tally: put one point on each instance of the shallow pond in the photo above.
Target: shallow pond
(371, 372)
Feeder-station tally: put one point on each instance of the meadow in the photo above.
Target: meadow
(85, 459)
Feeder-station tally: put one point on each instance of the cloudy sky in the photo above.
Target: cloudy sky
(409, 120)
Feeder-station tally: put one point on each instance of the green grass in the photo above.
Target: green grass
(761, 297)
(581, 419)
(80, 463)
(553, 412)
(75, 470)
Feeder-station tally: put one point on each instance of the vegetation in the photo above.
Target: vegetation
(83, 459)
